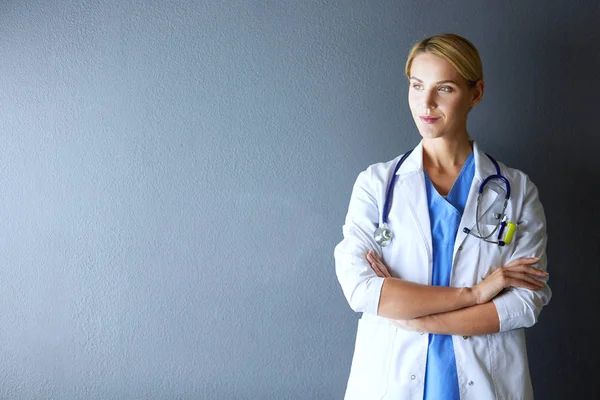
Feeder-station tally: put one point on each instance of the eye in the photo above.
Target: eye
(446, 89)
(417, 86)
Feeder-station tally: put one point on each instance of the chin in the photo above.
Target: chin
(430, 133)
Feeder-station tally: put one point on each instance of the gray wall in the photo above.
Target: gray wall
(174, 176)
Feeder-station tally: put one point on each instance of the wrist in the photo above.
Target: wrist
(472, 296)
(425, 323)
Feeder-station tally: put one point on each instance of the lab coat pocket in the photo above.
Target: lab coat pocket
(371, 362)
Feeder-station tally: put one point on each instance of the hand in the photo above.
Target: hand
(377, 265)
(517, 273)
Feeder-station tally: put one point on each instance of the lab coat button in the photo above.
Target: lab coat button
(465, 337)
(470, 383)
(413, 377)
(459, 248)
(421, 333)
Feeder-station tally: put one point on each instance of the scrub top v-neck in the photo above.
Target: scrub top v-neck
(441, 379)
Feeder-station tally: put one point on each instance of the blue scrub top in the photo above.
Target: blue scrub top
(441, 379)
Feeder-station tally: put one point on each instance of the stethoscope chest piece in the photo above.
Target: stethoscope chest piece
(383, 235)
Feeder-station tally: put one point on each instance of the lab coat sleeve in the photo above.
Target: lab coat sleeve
(518, 307)
(360, 284)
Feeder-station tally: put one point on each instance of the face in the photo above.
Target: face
(440, 98)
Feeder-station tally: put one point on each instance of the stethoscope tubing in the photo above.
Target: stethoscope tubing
(386, 205)
(498, 175)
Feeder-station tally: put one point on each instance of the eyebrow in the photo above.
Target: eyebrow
(437, 83)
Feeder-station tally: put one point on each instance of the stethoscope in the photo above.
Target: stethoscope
(506, 229)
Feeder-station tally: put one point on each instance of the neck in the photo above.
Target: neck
(443, 153)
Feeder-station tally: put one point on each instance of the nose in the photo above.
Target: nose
(429, 101)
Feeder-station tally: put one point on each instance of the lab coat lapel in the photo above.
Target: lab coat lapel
(412, 179)
(483, 168)
(417, 201)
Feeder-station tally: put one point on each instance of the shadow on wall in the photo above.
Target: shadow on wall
(568, 163)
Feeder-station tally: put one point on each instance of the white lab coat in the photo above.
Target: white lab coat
(389, 362)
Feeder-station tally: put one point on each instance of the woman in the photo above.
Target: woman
(445, 301)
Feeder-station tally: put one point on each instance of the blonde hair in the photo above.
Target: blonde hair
(455, 49)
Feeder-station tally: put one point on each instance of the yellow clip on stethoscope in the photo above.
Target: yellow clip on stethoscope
(505, 228)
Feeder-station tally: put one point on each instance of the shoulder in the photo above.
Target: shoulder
(382, 170)
(376, 177)
(515, 176)
(520, 183)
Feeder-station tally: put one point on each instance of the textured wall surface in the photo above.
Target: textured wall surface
(174, 176)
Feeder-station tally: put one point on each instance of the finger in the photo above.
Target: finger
(519, 276)
(384, 271)
(371, 255)
(523, 261)
(377, 265)
(378, 271)
(525, 278)
(384, 268)
(527, 269)
(523, 284)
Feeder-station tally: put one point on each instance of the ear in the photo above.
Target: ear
(477, 91)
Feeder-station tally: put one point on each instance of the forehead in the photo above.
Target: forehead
(429, 67)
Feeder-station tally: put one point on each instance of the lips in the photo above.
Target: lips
(429, 120)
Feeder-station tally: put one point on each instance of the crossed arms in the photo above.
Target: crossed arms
(448, 310)
(509, 298)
